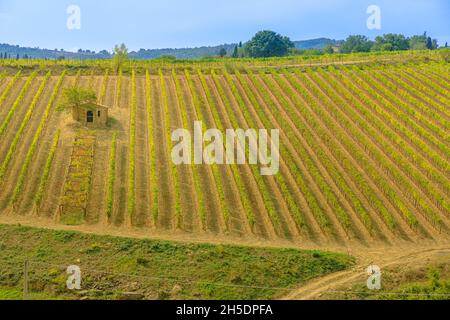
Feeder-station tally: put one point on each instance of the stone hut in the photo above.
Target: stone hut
(91, 114)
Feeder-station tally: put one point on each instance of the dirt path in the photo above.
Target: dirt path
(382, 257)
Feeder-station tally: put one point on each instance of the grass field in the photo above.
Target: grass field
(364, 151)
(112, 266)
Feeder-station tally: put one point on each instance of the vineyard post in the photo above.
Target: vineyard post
(25, 280)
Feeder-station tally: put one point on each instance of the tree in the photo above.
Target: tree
(267, 44)
(434, 44)
(418, 42)
(222, 52)
(235, 52)
(356, 43)
(390, 42)
(75, 96)
(429, 43)
(328, 49)
(120, 56)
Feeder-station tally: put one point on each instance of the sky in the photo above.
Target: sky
(181, 23)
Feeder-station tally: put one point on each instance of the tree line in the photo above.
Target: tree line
(270, 44)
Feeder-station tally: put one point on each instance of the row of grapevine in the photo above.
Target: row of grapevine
(402, 163)
(104, 86)
(366, 124)
(261, 182)
(118, 88)
(407, 111)
(387, 167)
(344, 143)
(413, 157)
(18, 135)
(152, 154)
(217, 176)
(9, 87)
(245, 200)
(436, 88)
(416, 97)
(365, 154)
(325, 158)
(36, 138)
(198, 115)
(132, 151)
(196, 177)
(365, 81)
(294, 209)
(43, 181)
(91, 80)
(77, 78)
(426, 92)
(17, 102)
(111, 177)
(302, 151)
(173, 167)
(393, 123)
(343, 158)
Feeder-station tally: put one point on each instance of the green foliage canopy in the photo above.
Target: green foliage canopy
(120, 56)
(356, 43)
(267, 44)
(75, 96)
(390, 42)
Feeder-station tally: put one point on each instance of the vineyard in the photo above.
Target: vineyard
(364, 151)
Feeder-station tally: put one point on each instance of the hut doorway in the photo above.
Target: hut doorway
(90, 116)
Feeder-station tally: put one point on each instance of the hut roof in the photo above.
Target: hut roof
(92, 105)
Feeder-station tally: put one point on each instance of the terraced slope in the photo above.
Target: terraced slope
(364, 153)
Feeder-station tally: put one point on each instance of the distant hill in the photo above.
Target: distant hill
(182, 53)
(12, 51)
(318, 43)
